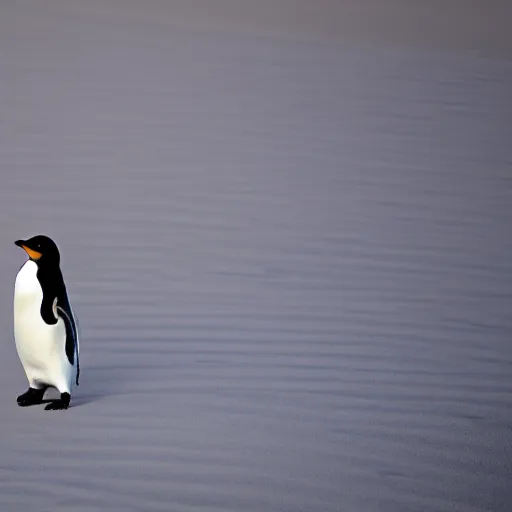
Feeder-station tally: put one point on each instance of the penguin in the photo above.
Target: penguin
(45, 329)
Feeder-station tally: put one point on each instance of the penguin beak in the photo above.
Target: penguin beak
(33, 255)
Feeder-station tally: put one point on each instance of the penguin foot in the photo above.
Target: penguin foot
(31, 397)
(59, 405)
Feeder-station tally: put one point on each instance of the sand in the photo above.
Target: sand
(285, 229)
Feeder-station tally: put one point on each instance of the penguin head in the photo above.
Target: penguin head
(40, 248)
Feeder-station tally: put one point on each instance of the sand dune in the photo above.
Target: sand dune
(288, 243)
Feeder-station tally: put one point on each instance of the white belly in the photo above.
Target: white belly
(41, 347)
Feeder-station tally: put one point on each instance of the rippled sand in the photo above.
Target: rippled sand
(289, 250)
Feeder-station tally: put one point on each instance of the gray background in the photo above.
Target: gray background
(285, 227)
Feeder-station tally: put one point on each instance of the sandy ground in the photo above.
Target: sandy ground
(285, 228)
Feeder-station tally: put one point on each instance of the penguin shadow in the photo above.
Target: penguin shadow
(108, 382)
(81, 400)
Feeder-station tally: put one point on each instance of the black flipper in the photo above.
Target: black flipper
(52, 284)
(71, 335)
